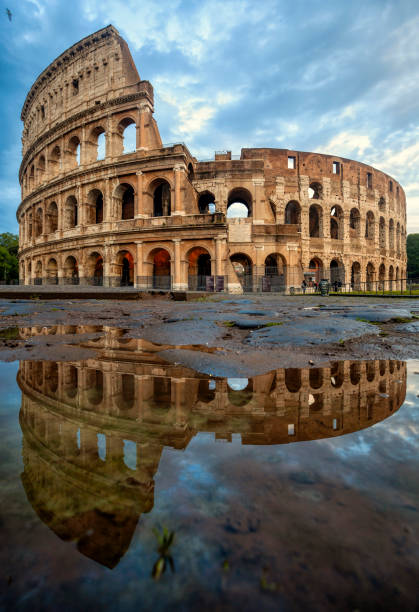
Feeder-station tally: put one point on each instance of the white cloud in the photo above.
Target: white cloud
(347, 144)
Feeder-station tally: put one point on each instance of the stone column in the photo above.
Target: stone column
(220, 243)
(258, 212)
(139, 206)
(107, 254)
(178, 285)
(179, 171)
(140, 281)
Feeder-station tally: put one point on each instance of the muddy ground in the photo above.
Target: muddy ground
(219, 335)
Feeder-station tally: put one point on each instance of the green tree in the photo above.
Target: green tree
(9, 265)
(412, 247)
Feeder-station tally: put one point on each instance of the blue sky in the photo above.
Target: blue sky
(315, 75)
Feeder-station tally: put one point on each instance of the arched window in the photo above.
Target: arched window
(52, 218)
(382, 233)
(55, 161)
(161, 199)
(336, 223)
(292, 213)
(97, 144)
(74, 150)
(315, 221)
(370, 226)
(95, 205)
(315, 191)
(206, 203)
(355, 222)
(239, 203)
(39, 226)
(70, 213)
(381, 204)
(128, 135)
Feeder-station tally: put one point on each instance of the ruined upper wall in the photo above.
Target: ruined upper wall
(93, 71)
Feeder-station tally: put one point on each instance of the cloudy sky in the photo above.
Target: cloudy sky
(313, 75)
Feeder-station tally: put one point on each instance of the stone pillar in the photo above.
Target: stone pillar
(139, 206)
(140, 281)
(258, 205)
(107, 255)
(178, 285)
(220, 244)
(179, 171)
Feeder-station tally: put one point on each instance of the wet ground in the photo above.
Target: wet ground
(251, 335)
(237, 454)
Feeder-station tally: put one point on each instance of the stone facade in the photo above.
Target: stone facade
(155, 217)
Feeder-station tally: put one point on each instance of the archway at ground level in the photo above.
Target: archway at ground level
(370, 273)
(125, 263)
(356, 276)
(381, 276)
(316, 273)
(71, 271)
(243, 265)
(390, 277)
(160, 259)
(52, 272)
(274, 273)
(38, 273)
(337, 274)
(95, 269)
(199, 268)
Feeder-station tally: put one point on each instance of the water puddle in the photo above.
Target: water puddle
(126, 479)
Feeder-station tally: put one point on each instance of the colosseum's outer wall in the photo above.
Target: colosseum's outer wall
(100, 209)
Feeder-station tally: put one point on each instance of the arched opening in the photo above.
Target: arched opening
(41, 168)
(70, 213)
(160, 259)
(74, 150)
(398, 238)
(369, 226)
(293, 379)
(51, 376)
(71, 271)
(381, 204)
(38, 222)
(316, 271)
(391, 234)
(355, 373)
(382, 233)
(128, 134)
(239, 204)
(242, 265)
(315, 378)
(191, 172)
(206, 203)
(315, 191)
(355, 223)
(54, 162)
(337, 374)
(95, 205)
(94, 384)
(125, 262)
(274, 274)
(370, 274)
(98, 139)
(337, 274)
(240, 391)
(292, 213)
(126, 399)
(370, 370)
(127, 209)
(315, 221)
(52, 272)
(52, 218)
(71, 379)
(356, 276)
(390, 277)
(336, 223)
(199, 268)
(38, 273)
(95, 269)
(381, 276)
(162, 199)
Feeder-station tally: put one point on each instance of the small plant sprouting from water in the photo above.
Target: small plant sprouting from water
(165, 540)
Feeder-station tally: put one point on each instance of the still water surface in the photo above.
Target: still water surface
(293, 490)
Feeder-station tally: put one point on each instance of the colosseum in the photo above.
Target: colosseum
(105, 202)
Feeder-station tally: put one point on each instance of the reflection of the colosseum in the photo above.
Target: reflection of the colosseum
(94, 431)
